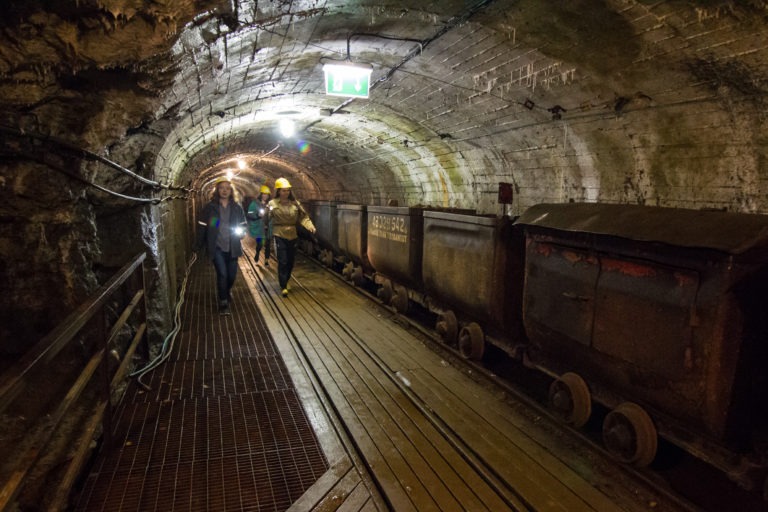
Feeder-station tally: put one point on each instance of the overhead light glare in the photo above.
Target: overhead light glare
(287, 127)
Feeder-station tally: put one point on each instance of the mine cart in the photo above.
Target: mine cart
(472, 266)
(325, 221)
(658, 313)
(352, 221)
(394, 251)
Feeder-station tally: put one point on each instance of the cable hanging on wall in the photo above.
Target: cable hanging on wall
(88, 155)
(57, 168)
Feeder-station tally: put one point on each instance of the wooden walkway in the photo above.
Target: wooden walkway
(422, 434)
(327, 401)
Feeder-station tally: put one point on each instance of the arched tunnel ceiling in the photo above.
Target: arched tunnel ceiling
(278, 73)
(581, 92)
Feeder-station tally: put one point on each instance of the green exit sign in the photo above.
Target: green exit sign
(347, 79)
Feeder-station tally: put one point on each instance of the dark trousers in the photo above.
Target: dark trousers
(226, 271)
(266, 243)
(286, 255)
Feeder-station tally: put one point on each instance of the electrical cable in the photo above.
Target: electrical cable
(449, 25)
(381, 36)
(257, 159)
(168, 342)
(88, 154)
(166, 348)
(55, 167)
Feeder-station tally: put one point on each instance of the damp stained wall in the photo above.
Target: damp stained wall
(620, 101)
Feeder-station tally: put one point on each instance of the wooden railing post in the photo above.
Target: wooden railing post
(144, 314)
(106, 420)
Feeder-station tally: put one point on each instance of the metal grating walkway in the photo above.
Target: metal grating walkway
(222, 427)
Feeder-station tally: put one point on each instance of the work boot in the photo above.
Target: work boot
(285, 292)
(224, 308)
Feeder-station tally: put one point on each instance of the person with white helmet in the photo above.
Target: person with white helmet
(258, 228)
(285, 213)
(221, 226)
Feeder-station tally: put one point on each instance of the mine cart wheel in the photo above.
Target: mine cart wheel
(400, 299)
(472, 342)
(347, 270)
(385, 292)
(327, 258)
(629, 434)
(357, 276)
(448, 327)
(569, 396)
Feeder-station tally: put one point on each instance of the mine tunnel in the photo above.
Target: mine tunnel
(578, 193)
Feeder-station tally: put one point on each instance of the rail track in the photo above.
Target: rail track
(670, 478)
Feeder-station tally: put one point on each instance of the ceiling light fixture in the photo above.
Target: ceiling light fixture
(287, 127)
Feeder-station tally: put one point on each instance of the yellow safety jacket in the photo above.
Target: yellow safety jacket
(285, 216)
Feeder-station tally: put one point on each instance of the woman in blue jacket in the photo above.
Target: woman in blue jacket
(258, 227)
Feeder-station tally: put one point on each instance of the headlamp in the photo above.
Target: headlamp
(261, 211)
(238, 231)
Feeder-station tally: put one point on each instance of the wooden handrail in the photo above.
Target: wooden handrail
(12, 381)
(11, 487)
(61, 494)
(15, 379)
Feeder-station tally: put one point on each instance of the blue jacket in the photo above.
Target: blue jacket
(257, 217)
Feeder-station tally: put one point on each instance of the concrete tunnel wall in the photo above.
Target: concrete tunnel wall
(618, 101)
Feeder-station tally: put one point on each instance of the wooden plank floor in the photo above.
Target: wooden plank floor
(430, 436)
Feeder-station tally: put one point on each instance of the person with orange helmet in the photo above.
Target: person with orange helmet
(285, 213)
(258, 228)
(221, 226)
